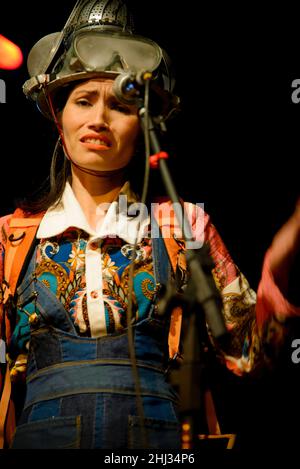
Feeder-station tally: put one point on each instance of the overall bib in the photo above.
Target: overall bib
(80, 391)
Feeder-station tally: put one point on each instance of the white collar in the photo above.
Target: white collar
(69, 214)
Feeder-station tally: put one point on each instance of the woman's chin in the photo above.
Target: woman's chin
(101, 170)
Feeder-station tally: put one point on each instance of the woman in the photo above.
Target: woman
(83, 258)
(83, 325)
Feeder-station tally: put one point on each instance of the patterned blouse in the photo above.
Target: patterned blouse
(88, 271)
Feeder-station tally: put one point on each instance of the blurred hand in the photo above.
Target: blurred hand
(284, 251)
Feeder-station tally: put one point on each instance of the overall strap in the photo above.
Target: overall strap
(161, 262)
(165, 256)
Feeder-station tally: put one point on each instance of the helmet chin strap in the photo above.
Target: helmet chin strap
(92, 172)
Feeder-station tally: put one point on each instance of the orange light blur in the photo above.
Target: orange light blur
(10, 54)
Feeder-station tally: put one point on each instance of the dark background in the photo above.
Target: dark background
(236, 140)
(236, 147)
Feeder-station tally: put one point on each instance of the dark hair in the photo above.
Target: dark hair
(51, 190)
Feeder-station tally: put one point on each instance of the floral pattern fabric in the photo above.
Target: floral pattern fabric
(60, 265)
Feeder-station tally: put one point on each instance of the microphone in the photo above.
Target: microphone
(128, 86)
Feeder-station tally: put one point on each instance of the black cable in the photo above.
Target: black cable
(132, 355)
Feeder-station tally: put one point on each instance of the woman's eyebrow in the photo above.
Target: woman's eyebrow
(94, 93)
(85, 91)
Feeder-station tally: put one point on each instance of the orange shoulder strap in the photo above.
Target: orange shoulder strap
(5, 408)
(22, 231)
(20, 236)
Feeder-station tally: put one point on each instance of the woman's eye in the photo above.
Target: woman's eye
(116, 106)
(83, 102)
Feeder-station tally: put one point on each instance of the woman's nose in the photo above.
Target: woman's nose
(100, 116)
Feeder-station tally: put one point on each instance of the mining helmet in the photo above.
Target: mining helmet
(96, 41)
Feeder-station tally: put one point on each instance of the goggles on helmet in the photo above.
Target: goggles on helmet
(99, 51)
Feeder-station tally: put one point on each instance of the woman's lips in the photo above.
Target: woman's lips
(96, 142)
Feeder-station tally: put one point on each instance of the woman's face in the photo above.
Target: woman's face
(99, 132)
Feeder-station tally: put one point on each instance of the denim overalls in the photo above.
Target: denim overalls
(81, 391)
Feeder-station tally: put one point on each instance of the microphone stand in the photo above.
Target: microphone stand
(201, 294)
